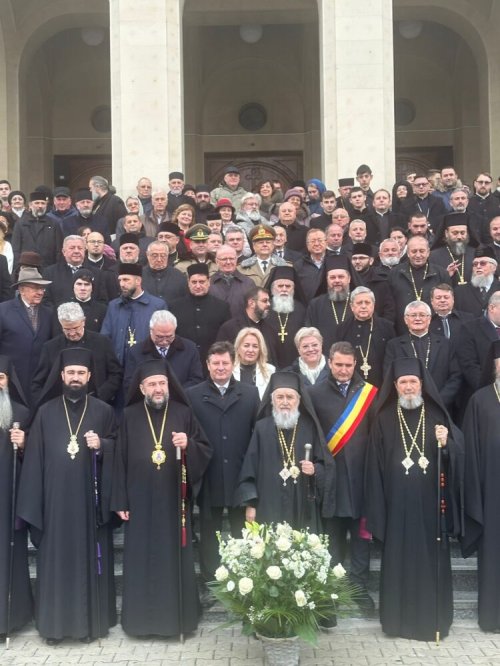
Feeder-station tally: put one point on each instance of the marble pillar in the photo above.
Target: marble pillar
(357, 89)
(146, 91)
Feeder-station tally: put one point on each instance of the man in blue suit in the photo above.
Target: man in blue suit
(25, 325)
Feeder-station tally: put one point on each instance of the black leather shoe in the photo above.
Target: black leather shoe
(87, 640)
(53, 641)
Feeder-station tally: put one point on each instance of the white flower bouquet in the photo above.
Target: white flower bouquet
(279, 581)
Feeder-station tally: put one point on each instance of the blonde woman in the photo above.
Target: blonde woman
(251, 365)
(311, 363)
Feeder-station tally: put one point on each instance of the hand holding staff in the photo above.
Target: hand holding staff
(17, 439)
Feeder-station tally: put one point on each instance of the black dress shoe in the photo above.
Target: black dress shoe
(53, 641)
(87, 640)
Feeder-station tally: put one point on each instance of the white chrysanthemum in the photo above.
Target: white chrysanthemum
(257, 550)
(334, 596)
(245, 585)
(221, 574)
(283, 544)
(273, 572)
(230, 585)
(300, 598)
(339, 571)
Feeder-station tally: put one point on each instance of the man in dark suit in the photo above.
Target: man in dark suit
(475, 341)
(163, 342)
(435, 351)
(473, 297)
(25, 325)
(226, 410)
(445, 319)
(106, 370)
(430, 205)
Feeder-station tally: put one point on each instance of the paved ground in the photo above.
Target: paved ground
(352, 643)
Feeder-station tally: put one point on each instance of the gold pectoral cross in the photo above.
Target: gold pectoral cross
(131, 337)
(282, 334)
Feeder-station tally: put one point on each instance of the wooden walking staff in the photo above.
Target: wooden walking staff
(15, 426)
(441, 510)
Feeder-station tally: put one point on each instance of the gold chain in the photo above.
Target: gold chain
(365, 368)
(73, 447)
(408, 462)
(288, 455)
(428, 352)
(461, 273)
(158, 456)
(335, 312)
(283, 330)
(418, 295)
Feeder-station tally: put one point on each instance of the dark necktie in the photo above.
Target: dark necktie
(264, 266)
(446, 327)
(344, 387)
(33, 316)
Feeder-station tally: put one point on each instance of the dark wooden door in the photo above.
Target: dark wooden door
(284, 167)
(74, 171)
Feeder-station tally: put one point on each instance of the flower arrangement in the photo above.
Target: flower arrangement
(278, 581)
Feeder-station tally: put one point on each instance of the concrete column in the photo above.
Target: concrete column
(9, 113)
(146, 91)
(357, 89)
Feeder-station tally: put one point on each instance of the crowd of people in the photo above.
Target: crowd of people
(302, 355)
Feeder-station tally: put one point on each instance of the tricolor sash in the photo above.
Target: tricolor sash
(343, 428)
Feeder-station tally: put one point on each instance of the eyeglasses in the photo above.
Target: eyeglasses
(420, 184)
(483, 182)
(481, 262)
(417, 315)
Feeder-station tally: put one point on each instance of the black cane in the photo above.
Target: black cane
(97, 545)
(438, 539)
(15, 426)
(178, 456)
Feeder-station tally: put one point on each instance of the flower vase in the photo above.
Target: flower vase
(280, 651)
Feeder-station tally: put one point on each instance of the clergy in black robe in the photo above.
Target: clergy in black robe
(64, 496)
(12, 410)
(279, 481)
(453, 247)
(402, 499)
(482, 490)
(146, 494)
(287, 313)
(473, 297)
(368, 334)
(327, 311)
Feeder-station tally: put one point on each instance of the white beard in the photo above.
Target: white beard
(481, 281)
(254, 215)
(411, 403)
(286, 420)
(390, 262)
(283, 304)
(457, 247)
(5, 410)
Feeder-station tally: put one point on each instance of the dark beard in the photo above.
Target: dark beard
(156, 404)
(74, 393)
(338, 296)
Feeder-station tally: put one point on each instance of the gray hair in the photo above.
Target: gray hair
(162, 317)
(100, 182)
(70, 311)
(494, 299)
(250, 195)
(361, 290)
(73, 237)
(417, 304)
(234, 228)
(157, 192)
(307, 332)
(386, 241)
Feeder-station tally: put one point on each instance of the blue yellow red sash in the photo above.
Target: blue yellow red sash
(342, 430)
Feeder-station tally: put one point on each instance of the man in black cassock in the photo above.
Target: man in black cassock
(146, 494)
(482, 490)
(64, 496)
(402, 502)
(279, 481)
(12, 410)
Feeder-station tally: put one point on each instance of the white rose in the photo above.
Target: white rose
(339, 571)
(257, 550)
(221, 574)
(230, 586)
(274, 573)
(300, 598)
(334, 596)
(283, 544)
(245, 585)
(313, 540)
